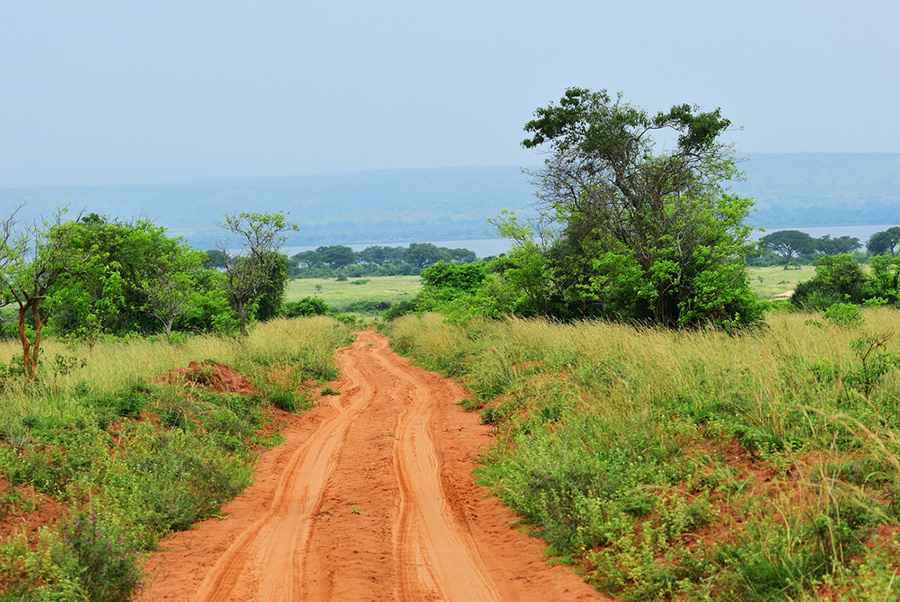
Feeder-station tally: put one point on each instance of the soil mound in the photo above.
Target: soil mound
(212, 375)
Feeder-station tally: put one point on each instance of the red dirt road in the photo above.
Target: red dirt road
(371, 497)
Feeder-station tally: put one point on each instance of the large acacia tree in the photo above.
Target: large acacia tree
(647, 233)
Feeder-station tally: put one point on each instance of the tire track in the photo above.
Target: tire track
(370, 498)
(270, 543)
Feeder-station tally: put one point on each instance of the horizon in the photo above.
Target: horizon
(225, 179)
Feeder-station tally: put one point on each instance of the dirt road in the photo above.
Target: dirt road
(371, 497)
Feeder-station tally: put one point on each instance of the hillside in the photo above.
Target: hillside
(455, 203)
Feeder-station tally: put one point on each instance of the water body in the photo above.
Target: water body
(488, 247)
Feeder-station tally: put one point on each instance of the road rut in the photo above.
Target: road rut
(370, 497)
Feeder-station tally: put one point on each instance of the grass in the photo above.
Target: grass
(350, 295)
(132, 456)
(363, 295)
(672, 465)
(774, 280)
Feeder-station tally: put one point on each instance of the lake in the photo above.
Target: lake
(487, 247)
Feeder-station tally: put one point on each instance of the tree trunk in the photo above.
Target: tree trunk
(26, 344)
(242, 315)
(38, 329)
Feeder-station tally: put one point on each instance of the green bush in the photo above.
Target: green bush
(838, 279)
(844, 314)
(307, 306)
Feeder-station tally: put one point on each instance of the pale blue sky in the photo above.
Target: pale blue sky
(110, 92)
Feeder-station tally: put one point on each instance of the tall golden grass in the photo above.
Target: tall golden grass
(111, 365)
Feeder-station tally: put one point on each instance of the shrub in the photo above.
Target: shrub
(307, 306)
(107, 563)
(844, 314)
(838, 279)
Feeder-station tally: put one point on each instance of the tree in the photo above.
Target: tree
(248, 275)
(31, 262)
(644, 235)
(837, 246)
(215, 258)
(884, 282)
(380, 255)
(271, 295)
(171, 288)
(336, 256)
(789, 244)
(838, 279)
(110, 293)
(886, 242)
(424, 254)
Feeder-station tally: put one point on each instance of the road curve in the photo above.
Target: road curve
(370, 497)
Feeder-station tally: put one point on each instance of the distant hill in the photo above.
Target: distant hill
(823, 189)
(455, 203)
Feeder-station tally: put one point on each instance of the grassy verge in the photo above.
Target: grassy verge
(123, 456)
(693, 465)
(771, 281)
(370, 294)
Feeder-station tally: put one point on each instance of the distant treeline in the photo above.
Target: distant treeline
(793, 246)
(340, 260)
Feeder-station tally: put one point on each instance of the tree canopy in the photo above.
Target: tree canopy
(886, 242)
(644, 234)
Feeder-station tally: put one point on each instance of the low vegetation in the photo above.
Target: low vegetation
(693, 465)
(129, 439)
(361, 295)
(342, 261)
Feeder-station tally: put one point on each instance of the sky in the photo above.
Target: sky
(103, 92)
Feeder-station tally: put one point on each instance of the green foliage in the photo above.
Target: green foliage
(663, 244)
(789, 245)
(271, 294)
(875, 362)
(886, 242)
(342, 262)
(307, 306)
(884, 280)
(134, 278)
(136, 461)
(107, 564)
(838, 279)
(698, 465)
(844, 314)
(257, 278)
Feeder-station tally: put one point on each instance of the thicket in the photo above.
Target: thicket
(342, 261)
(134, 451)
(697, 465)
(841, 279)
(88, 278)
(629, 233)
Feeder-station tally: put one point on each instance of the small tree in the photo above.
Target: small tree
(170, 291)
(31, 262)
(248, 274)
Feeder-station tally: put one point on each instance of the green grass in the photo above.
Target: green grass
(347, 296)
(698, 465)
(133, 456)
(774, 280)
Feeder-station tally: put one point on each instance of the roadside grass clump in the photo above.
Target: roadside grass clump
(135, 445)
(693, 465)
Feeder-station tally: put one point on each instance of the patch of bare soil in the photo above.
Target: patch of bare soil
(24, 510)
(212, 375)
